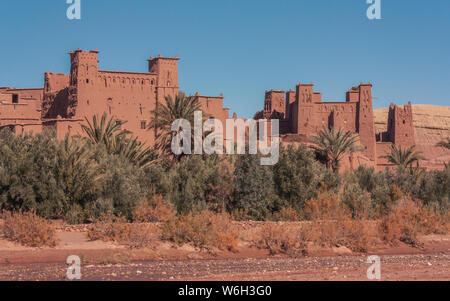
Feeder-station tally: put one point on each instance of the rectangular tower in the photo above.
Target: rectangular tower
(305, 109)
(167, 76)
(274, 105)
(365, 120)
(83, 75)
(400, 125)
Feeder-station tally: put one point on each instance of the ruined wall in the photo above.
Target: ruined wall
(335, 114)
(56, 94)
(383, 148)
(274, 105)
(213, 107)
(21, 109)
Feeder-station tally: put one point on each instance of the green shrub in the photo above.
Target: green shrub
(200, 182)
(297, 176)
(254, 187)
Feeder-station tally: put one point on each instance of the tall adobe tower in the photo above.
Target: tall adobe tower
(365, 120)
(305, 109)
(274, 105)
(83, 74)
(167, 75)
(400, 125)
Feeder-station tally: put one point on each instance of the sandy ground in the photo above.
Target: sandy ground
(108, 261)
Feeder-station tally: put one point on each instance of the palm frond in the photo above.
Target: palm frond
(334, 145)
(118, 141)
(182, 107)
(403, 157)
(444, 143)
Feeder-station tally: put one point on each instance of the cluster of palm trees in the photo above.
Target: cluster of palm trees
(333, 145)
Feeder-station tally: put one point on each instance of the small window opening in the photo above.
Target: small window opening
(15, 98)
(143, 125)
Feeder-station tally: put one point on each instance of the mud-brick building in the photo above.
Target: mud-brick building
(303, 113)
(67, 99)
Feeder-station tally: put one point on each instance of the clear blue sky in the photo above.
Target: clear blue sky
(242, 47)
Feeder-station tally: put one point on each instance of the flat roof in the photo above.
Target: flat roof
(126, 72)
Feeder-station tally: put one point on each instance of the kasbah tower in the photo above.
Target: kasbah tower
(67, 99)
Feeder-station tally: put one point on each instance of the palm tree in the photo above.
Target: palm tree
(104, 132)
(118, 141)
(444, 143)
(182, 107)
(134, 151)
(334, 145)
(78, 167)
(404, 157)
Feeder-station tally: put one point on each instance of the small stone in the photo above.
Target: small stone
(342, 251)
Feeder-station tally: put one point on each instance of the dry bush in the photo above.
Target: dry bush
(353, 234)
(204, 230)
(325, 207)
(407, 219)
(356, 235)
(396, 195)
(240, 215)
(332, 224)
(284, 239)
(433, 222)
(401, 224)
(286, 214)
(119, 231)
(28, 229)
(154, 210)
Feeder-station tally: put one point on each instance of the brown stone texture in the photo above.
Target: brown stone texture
(431, 125)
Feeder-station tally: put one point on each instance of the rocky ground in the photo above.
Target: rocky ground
(165, 262)
(337, 268)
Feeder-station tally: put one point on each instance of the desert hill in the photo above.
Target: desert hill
(431, 124)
